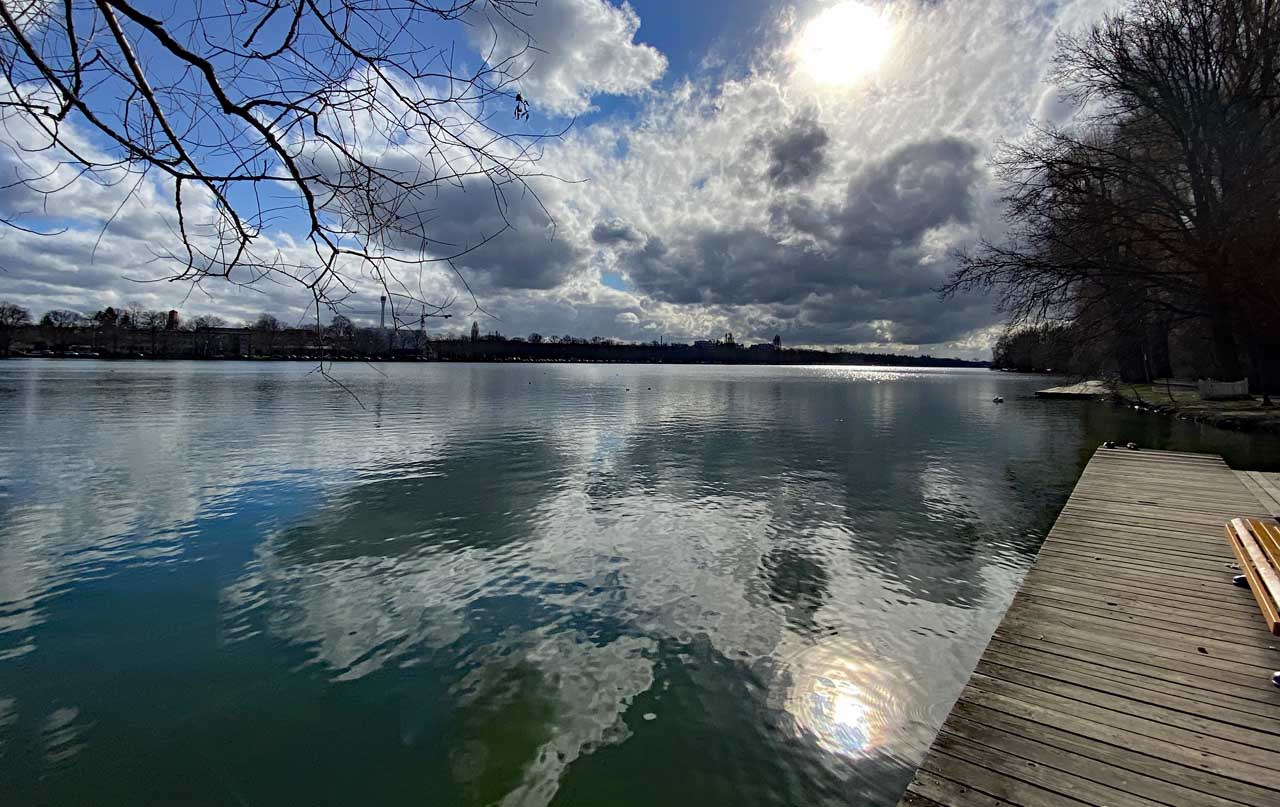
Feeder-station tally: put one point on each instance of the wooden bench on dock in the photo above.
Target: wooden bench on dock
(1256, 542)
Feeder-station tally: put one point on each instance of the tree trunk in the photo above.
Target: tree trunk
(1264, 361)
(1226, 352)
(1159, 358)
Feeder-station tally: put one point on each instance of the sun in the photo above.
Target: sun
(843, 43)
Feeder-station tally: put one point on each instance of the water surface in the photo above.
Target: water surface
(237, 583)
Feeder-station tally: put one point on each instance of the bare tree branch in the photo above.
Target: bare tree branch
(333, 121)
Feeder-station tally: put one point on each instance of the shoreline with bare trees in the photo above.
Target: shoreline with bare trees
(372, 344)
(1144, 234)
(135, 333)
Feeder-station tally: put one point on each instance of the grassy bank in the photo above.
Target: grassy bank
(1243, 415)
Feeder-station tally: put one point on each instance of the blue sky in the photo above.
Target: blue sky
(686, 32)
(805, 168)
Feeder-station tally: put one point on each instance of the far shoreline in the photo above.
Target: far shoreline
(880, 360)
(385, 344)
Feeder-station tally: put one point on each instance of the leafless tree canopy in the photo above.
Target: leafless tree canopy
(333, 119)
(268, 323)
(1161, 202)
(11, 315)
(62, 318)
(205, 321)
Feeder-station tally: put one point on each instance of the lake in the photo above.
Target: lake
(234, 583)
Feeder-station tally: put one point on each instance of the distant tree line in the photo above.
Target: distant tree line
(1146, 233)
(137, 332)
(130, 329)
(495, 347)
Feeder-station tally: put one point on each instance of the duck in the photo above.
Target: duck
(998, 399)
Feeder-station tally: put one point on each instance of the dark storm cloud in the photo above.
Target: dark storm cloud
(829, 270)
(615, 231)
(917, 188)
(34, 265)
(733, 266)
(526, 254)
(798, 154)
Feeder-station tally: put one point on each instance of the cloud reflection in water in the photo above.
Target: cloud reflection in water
(489, 578)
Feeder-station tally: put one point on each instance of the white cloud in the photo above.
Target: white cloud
(567, 51)
(762, 201)
(750, 200)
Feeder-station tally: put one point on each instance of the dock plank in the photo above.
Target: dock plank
(1265, 486)
(1128, 669)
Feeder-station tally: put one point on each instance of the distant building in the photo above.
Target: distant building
(173, 322)
(703, 344)
(764, 346)
(475, 332)
(777, 342)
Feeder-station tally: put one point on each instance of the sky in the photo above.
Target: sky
(807, 169)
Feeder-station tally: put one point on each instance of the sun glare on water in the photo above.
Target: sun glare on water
(844, 43)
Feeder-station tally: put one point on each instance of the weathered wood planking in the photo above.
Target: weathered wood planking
(1128, 670)
(1265, 486)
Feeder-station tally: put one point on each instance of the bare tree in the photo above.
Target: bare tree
(106, 318)
(151, 320)
(13, 316)
(341, 327)
(1201, 77)
(250, 114)
(62, 318)
(270, 329)
(131, 314)
(341, 331)
(142, 319)
(1163, 199)
(206, 321)
(203, 339)
(1082, 246)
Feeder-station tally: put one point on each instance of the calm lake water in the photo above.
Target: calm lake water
(230, 584)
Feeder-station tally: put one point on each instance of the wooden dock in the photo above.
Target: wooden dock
(1085, 389)
(1128, 670)
(1265, 486)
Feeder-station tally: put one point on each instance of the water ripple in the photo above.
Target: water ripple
(522, 584)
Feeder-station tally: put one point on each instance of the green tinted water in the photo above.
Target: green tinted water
(229, 583)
